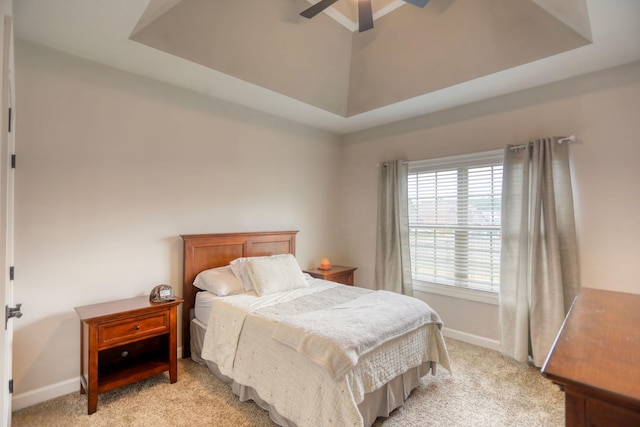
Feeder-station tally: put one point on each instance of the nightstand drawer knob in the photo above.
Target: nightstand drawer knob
(124, 353)
(136, 327)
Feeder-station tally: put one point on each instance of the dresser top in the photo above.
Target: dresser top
(599, 344)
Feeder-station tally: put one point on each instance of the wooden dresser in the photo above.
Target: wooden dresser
(337, 273)
(596, 359)
(125, 341)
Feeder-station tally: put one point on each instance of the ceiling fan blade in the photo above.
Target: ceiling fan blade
(419, 3)
(317, 8)
(365, 15)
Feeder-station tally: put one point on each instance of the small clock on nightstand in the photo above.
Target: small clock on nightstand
(337, 273)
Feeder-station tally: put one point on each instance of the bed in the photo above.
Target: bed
(273, 359)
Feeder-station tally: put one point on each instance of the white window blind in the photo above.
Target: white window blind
(454, 220)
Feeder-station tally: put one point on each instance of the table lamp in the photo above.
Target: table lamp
(325, 264)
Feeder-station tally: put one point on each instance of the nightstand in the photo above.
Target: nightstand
(125, 341)
(337, 273)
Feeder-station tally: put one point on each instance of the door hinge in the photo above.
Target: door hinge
(11, 386)
(10, 114)
(12, 273)
(13, 161)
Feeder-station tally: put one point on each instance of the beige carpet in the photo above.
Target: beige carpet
(485, 389)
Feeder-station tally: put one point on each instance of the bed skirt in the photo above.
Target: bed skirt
(378, 403)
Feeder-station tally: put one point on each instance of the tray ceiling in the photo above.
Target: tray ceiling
(322, 72)
(410, 52)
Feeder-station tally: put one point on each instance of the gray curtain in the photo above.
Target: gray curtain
(393, 260)
(539, 269)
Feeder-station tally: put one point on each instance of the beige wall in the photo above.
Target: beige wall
(601, 109)
(113, 168)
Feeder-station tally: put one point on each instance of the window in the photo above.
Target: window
(454, 221)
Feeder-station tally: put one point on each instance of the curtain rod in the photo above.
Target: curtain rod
(561, 140)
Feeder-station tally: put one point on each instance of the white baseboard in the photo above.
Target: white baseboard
(22, 400)
(29, 398)
(472, 339)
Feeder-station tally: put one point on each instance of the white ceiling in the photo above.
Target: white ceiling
(99, 30)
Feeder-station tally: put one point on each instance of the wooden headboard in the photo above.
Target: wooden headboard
(204, 251)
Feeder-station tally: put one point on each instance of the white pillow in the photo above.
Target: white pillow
(219, 281)
(276, 273)
(239, 269)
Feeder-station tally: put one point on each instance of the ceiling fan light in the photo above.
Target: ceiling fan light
(365, 11)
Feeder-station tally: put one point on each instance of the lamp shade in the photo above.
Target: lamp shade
(325, 264)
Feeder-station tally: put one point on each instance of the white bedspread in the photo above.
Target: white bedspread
(238, 339)
(227, 319)
(336, 337)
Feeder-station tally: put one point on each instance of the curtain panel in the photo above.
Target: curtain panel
(539, 268)
(393, 259)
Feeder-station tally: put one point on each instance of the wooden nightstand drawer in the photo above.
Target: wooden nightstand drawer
(345, 278)
(118, 332)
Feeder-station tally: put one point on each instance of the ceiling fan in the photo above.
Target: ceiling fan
(365, 12)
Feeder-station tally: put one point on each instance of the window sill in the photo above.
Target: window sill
(457, 292)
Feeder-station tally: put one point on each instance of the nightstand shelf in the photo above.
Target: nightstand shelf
(337, 273)
(148, 356)
(125, 341)
(118, 378)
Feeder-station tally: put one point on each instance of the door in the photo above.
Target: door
(6, 204)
